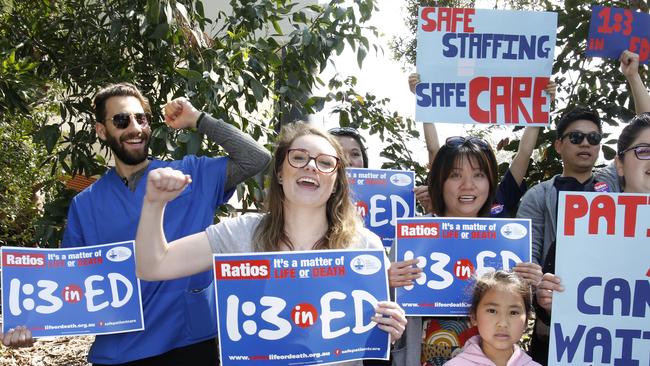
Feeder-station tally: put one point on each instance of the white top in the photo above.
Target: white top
(236, 236)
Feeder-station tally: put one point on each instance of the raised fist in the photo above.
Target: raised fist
(165, 184)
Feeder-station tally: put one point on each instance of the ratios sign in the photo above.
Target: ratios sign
(451, 252)
(76, 291)
(484, 66)
(381, 196)
(302, 308)
(614, 30)
(603, 259)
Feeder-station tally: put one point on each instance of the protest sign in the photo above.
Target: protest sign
(76, 291)
(482, 66)
(381, 196)
(614, 30)
(603, 259)
(300, 308)
(450, 252)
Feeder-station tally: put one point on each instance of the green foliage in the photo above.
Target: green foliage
(367, 112)
(240, 67)
(22, 183)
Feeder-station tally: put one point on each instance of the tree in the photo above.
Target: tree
(23, 185)
(367, 112)
(73, 47)
(594, 83)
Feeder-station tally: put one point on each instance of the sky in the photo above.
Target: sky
(384, 77)
(380, 75)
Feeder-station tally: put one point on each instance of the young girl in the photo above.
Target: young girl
(501, 305)
(462, 182)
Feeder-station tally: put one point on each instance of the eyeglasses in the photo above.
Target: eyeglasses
(576, 137)
(299, 158)
(122, 120)
(345, 131)
(458, 141)
(642, 152)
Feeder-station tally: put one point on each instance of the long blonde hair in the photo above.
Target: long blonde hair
(342, 219)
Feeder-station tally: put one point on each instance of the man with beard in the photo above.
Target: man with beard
(180, 321)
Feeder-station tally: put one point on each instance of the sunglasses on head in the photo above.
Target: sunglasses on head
(642, 152)
(458, 141)
(345, 131)
(576, 137)
(122, 120)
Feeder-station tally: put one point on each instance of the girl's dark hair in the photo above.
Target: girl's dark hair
(354, 133)
(631, 132)
(449, 158)
(501, 280)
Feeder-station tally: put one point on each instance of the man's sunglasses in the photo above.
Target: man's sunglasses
(455, 142)
(122, 120)
(642, 152)
(576, 137)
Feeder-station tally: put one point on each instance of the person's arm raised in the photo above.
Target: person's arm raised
(630, 69)
(430, 132)
(521, 160)
(247, 157)
(157, 260)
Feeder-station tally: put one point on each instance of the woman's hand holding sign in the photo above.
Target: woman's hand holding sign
(391, 319)
(530, 272)
(403, 273)
(544, 293)
(17, 337)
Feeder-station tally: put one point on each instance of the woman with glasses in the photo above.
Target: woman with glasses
(352, 144)
(633, 158)
(462, 182)
(307, 208)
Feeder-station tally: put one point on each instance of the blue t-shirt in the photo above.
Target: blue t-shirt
(176, 313)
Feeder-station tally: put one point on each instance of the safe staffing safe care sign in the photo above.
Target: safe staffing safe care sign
(482, 66)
